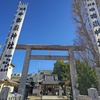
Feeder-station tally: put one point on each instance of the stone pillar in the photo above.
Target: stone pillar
(39, 89)
(23, 80)
(93, 94)
(97, 69)
(72, 72)
(4, 93)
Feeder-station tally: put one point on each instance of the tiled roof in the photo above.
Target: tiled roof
(46, 71)
(50, 79)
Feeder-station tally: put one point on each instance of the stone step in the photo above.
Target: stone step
(48, 98)
(54, 97)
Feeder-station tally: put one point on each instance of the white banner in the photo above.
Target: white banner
(94, 19)
(12, 39)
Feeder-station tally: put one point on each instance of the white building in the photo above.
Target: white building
(16, 77)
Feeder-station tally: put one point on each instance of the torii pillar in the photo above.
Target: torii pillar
(73, 73)
(22, 85)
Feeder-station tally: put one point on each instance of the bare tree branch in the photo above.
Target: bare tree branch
(84, 34)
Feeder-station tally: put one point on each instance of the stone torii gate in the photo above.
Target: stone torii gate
(29, 57)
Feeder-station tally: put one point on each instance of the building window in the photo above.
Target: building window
(14, 74)
(18, 74)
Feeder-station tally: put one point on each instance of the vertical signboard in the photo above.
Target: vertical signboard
(12, 40)
(94, 19)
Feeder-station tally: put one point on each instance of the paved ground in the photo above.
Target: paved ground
(48, 98)
(34, 98)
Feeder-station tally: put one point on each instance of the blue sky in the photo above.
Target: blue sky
(46, 22)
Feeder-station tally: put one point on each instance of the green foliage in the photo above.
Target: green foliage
(87, 77)
(61, 68)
